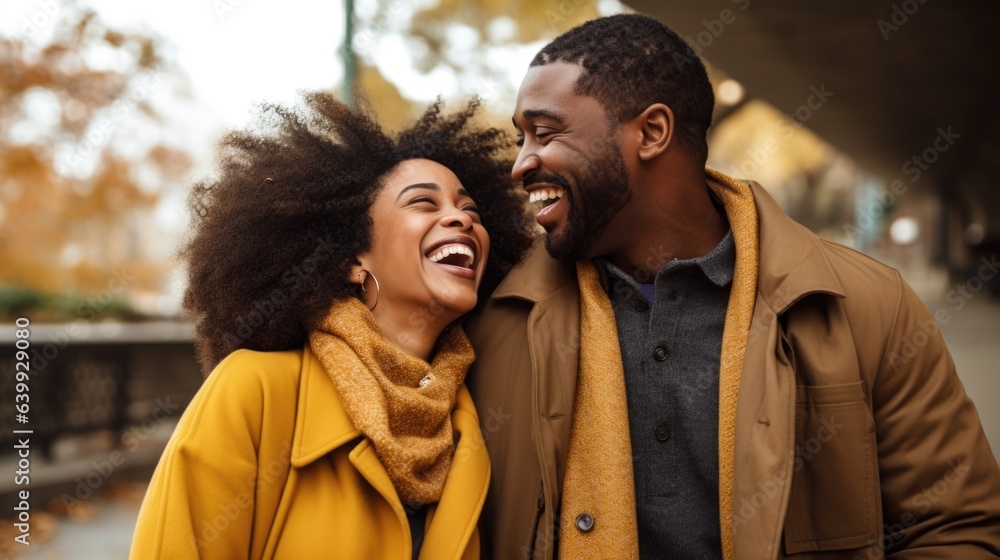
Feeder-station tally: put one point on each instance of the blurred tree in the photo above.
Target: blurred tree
(392, 108)
(498, 21)
(81, 164)
(473, 39)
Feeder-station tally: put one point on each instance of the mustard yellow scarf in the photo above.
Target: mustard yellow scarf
(598, 494)
(400, 402)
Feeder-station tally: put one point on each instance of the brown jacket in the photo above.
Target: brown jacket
(854, 435)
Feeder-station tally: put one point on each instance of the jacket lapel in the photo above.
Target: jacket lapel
(792, 266)
(322, 425)
(455, 516)
(554, 345)
(764, 440)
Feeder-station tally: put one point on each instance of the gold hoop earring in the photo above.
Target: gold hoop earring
(378, 290)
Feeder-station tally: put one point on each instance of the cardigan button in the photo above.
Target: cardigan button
(660, 353)
(584, 522)
(663, 433)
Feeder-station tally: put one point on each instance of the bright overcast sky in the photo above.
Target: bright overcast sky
(238, 52)
(261, 49)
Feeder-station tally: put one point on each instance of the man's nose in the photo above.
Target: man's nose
(526, 163)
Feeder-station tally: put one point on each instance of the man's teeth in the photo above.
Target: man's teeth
(454, 249)
(546, 194)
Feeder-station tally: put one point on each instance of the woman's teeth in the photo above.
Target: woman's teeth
(540, 195)
(465, 259)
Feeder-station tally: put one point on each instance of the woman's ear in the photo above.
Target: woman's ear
(357, 273)
(656, 126)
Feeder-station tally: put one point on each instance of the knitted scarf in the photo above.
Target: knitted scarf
(598, 494)
(400, 402)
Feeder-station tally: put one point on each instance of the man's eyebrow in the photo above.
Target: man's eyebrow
(543, 114)
(431, 186)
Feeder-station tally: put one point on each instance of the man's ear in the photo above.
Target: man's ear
(656, 126)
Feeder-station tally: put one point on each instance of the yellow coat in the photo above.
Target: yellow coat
(265, 463)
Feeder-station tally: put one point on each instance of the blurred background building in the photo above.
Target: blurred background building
(870, 123)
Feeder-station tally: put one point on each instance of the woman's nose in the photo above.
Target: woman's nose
(456, 218)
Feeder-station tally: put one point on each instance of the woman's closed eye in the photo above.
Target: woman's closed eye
(471, 208)
(421, 200)
(473, 211)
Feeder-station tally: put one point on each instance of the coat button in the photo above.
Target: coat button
(662, 433)
(584, 522)
(660, 353)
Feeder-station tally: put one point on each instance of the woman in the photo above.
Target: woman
(328, 267)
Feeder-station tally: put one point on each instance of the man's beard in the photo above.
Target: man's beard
(603, 191)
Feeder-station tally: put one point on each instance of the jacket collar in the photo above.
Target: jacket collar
(537, 277)
(321, 422)
(792, 264)
(322, 425)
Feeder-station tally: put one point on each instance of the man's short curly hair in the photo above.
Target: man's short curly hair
(632, 61)
(275, 233)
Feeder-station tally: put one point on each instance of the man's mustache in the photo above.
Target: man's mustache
(546, 178)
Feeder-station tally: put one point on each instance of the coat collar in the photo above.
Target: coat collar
(321, 422)
(792, 264)
(537, 277)
(322, 425)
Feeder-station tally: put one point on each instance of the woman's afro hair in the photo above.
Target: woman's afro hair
(276, 231)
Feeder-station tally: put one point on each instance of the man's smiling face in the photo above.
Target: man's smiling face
(570, 160)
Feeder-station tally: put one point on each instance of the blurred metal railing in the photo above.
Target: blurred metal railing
(87, 377)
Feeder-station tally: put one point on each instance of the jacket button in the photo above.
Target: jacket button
(584, 522)
(662, 433)
(660, 353)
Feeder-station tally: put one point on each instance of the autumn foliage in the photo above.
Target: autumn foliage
(81, 167)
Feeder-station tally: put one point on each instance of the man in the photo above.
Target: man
(682, 371)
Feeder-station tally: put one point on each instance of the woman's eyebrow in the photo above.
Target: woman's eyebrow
(431, 186)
